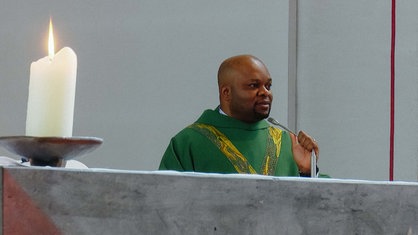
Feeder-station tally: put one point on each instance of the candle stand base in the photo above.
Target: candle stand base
(49, 150)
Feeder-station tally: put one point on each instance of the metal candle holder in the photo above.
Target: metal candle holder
(49, 151)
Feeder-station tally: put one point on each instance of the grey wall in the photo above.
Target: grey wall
(146, 69)
(344, 85)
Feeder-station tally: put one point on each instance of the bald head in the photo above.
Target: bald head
(230, 67)
(244, 88)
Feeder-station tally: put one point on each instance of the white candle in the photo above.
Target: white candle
(52, 93)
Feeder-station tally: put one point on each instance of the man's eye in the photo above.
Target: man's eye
(268, 87)
(253, 85)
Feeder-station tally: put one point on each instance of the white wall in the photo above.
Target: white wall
(406, 134)
(146, 69)
(344, 85)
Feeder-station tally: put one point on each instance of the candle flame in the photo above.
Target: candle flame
(51, 52)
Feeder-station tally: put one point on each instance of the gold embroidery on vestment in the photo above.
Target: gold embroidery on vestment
(273, 146)
(238, 160)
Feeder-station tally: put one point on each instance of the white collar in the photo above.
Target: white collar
(222, 112)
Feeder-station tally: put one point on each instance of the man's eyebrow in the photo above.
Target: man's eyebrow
(270, 80)
(258, 80)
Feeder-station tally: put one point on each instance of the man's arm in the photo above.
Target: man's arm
(170, 160)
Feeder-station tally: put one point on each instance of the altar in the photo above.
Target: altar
(38, 200)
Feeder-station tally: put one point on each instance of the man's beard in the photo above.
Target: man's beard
(260, 116)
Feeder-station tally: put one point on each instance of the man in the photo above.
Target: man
(235, 138)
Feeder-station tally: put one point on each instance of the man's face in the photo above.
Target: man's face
(251, 96)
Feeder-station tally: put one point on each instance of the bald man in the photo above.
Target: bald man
(235, 138)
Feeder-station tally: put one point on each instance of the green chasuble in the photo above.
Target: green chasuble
(216, 143)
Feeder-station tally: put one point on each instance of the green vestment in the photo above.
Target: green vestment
(216, 143)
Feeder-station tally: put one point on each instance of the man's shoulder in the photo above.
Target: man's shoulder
(204, 118)
(187, 131)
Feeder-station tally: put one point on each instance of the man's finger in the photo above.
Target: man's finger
(294, 139)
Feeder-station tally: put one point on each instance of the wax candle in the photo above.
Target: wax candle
(51, 97)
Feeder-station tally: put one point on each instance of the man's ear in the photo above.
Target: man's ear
(225, 93)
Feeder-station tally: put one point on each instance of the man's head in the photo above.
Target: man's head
(244, 88)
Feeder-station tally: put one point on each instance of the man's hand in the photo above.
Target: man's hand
(302, 147)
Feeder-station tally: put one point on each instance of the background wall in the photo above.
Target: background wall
(146, 69)
(344, 85)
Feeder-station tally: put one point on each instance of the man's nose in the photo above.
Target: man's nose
(263, 91)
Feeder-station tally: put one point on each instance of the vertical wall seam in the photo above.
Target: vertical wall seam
(392, 91)
(292, 65)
